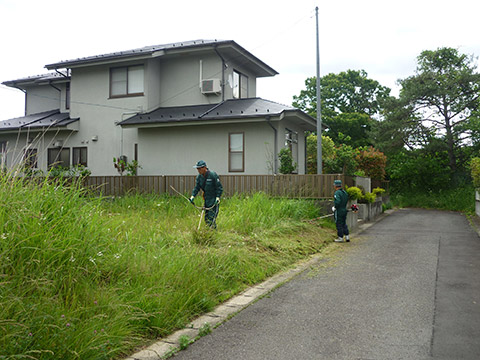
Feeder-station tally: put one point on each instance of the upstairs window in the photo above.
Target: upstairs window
(126, 81)
(67, 96)
(239, 85)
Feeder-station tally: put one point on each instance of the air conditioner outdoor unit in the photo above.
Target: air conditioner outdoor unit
(211, 86)
(58, 143)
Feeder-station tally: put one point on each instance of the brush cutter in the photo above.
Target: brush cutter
(202, 209)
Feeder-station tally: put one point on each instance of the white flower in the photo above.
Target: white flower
(117, 256)
(100, 253)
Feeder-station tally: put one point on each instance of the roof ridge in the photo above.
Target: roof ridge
(144, 49)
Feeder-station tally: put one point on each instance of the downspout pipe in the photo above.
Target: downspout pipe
(223, 72)
(275, 145)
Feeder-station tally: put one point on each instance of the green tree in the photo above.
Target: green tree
(342, 162)
(350, 103)
(413, 171)
(328, 151)
(441, 102)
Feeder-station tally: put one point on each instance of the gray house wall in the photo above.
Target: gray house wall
(210, 143)
(41, 98)
(172, 80)
(19, 142)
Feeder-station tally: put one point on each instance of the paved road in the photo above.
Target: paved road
(407, 288)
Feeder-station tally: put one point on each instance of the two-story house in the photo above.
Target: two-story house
(166, 106)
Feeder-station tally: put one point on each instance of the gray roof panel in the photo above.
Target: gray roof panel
(238, 109)
(51, 118)
(230, 47)
(37, 79)
(146, 50)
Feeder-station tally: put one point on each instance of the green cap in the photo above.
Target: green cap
(337, 182)
(200, 164)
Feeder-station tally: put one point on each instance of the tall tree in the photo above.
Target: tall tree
(442, 101)
(350, 103)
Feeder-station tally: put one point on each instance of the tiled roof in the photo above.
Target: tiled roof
(238, 109)
(52, 118)
(151, 50)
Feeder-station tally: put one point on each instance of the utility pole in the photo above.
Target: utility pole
(319, 106)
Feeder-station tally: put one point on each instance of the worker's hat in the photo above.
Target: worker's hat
(200, 164)
(337, 182)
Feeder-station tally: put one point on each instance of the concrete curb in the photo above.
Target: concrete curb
(171, 344)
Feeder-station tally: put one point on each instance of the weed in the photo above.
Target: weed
(205, 329)
(92, 278)
(204, 236)
(184, 342)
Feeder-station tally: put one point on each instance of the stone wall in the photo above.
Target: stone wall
(369, 211)
(352, 218)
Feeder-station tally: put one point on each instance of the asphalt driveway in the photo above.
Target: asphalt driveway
(406, 288)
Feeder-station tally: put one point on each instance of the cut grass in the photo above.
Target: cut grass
(89, 278)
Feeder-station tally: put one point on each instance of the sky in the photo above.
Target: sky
(382, 37)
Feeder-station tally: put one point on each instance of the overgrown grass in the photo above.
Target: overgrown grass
(458, 199)
(89, 278)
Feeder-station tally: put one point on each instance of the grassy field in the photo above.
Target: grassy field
(88, 278)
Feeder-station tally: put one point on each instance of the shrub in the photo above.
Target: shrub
(343, 161)
(287, 166)
(354, 193)
(475, 171)
(369, 197)
(372, 162)
(378, 191)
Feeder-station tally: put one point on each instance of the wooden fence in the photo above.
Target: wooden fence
(295, 186)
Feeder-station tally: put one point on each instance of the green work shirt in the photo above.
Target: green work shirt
(211, 186)
(340, 200)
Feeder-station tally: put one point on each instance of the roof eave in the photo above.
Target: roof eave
(200, 122)
(93, 62)
(266, 69)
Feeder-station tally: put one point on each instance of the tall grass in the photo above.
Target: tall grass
(89, 278)
(456, 199)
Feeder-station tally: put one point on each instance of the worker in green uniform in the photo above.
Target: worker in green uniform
(209, 182)
(340, 200)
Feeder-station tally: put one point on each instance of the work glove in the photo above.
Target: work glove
(333, 208)
(217, 200)
(191, 199)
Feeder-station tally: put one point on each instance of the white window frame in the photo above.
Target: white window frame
(236, 152)
(239, 85)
